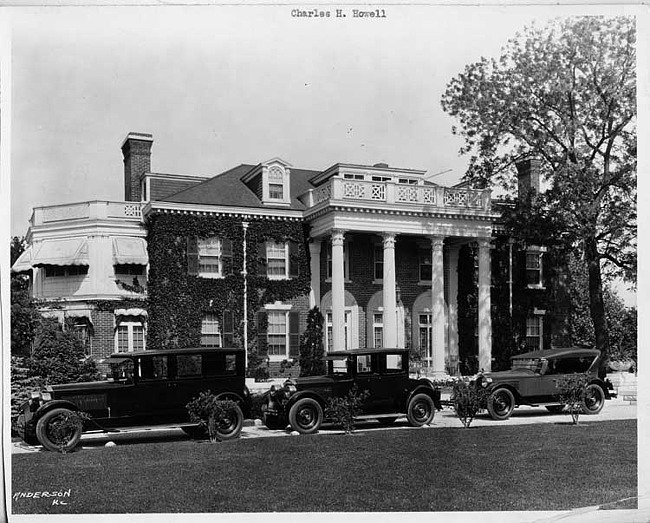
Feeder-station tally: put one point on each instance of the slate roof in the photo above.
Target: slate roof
(227, 188)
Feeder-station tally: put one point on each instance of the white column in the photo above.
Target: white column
(484, 314)
(452, 301)
(389, 293)
(438, 305)
(314, 265)
(338, 291)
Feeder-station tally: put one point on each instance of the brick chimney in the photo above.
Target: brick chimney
(136, 150)
(528, 176)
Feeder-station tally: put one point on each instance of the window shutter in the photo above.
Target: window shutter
(262, 325)
(192, 256)
(294, 260)
(228, 329)
(261, 259)
(226, 256)
(294, 335)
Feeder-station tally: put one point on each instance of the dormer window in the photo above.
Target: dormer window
(276, 183)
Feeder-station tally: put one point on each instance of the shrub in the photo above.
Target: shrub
(467, 400)
(311, 360)
(209, 412)
(22, 386)
(572, 392)
(343, 410)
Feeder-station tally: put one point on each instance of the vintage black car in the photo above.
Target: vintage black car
(150, 387)
(384, 373)
(532, 381)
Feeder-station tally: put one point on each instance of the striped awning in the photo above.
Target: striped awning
(130, 312)
(129, 250)
(24, 262)
(78, 313)
(69, 251)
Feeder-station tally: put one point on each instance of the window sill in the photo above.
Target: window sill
(537, 286)
(277, 278)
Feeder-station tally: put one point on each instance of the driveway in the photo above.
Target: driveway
(616, 409)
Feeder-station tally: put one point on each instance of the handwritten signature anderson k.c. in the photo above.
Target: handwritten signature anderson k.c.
(59, 497)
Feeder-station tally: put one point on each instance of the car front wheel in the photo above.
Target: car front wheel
(594, 400)
(59, 430)
(420, 410)
(306, 416)
(501, 404)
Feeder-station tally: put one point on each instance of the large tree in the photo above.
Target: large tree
(565, 94)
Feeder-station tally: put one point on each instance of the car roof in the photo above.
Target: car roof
(167, 352)
(556, 353)
(341, 353)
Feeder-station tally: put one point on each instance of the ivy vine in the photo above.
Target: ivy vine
(178, 301)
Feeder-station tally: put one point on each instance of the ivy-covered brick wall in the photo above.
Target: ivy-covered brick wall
(178, 299)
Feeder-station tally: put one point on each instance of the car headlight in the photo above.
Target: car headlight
(35, 395)
(46, 396)
(290, 388)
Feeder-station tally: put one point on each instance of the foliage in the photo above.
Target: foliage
(24, 312)
(58, 356)
(468, 400)
(312, 361)
(565, 95)
(209, 412)
(177, 301)
(621, 320)
(23, 383)
(343, 410)
(572, 393)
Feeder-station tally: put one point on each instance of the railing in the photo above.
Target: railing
(391, 193)
(87, 211)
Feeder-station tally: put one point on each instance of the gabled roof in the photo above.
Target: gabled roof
(228, 188)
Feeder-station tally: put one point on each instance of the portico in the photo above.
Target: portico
(347, 205)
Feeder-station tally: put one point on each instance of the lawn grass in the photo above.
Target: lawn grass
(525, 467)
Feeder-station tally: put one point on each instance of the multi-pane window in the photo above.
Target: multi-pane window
(346, 332)
(425, 335)
(381, 179)
(129, 336)
(425, 265)
(276, 259)
(80, 329)
(350, 176)
(276, 183)
(346, 263)
(210, 257)
(379, 262)
(61, 271)
(211, 331)
(277, 333)
(378, 330)
(407, 181)
(534, 332)
(534, 268)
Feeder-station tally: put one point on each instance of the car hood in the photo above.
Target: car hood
(84, 386)
(310, 381)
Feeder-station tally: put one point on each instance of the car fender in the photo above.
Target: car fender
(603, 385)
(425, 387)
(305, 394)
(53, 404)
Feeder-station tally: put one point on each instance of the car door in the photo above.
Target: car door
(391, 382)
(151, 395)
(367, 378)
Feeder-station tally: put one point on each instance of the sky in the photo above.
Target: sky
(222, 85)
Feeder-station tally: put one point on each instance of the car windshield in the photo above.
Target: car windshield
(530, 364)
(337, 366)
